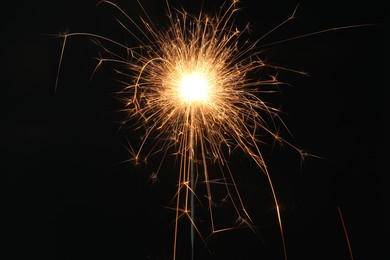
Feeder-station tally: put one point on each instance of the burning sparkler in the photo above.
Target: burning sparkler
(196, 88)
(192, 90)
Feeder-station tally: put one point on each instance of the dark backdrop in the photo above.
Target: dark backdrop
(69, 196)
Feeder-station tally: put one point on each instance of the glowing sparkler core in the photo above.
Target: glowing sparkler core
(194, 87)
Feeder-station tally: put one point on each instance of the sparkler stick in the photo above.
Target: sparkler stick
(192, 187)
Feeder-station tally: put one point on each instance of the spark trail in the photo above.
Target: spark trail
(192, 88)
(196, 88)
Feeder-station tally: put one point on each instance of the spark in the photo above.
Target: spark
(196, 88)
(192, 89)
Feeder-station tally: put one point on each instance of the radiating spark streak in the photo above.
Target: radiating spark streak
(67, 35)
(318, 32)
(60, 61)
(292, 16)
(130, 19)
(345, 232)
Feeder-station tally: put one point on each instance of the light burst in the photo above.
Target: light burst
(194, 91)
(196, 88)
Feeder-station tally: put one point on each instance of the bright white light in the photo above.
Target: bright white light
(194, 87)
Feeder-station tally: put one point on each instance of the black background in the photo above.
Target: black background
(69, 196)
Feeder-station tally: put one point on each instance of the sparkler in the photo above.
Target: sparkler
(196, 88)
(192, 90)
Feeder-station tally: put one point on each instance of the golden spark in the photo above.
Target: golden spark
(196, 88)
